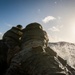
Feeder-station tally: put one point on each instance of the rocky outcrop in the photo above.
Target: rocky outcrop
(35, 61)
(35, 57)
(3, 57)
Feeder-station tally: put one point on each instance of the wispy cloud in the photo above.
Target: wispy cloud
(0, 33)
(59, 17)
(9, 25)
(48, 18)
(39, 10)
(56, 28)
(54, 38)
(55, 2)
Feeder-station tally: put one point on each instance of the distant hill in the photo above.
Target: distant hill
(65, 50)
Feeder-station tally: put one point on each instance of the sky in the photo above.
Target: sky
(56, 16)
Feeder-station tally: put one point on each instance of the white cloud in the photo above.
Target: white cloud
(1, 35)
(48, 18)
(56, 28)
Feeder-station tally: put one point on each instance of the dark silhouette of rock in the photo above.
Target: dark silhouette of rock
(13, 39)
(3, 57)
(12, 36)
(9, 46)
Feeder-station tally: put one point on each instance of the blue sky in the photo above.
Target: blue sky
(56, 16)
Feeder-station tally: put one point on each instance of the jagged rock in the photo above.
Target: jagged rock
(37, 62)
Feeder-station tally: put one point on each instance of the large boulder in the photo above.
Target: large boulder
(35, 58)
(34, 32)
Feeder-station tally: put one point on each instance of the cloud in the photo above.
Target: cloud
(55, 2)
(59, 17)
(1, 35)
(39, 10)
(56, 28)
(9, 25)
(54, 38)
(48, 18)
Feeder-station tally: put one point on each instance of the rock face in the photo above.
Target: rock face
(3, 57)
(12, 38)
